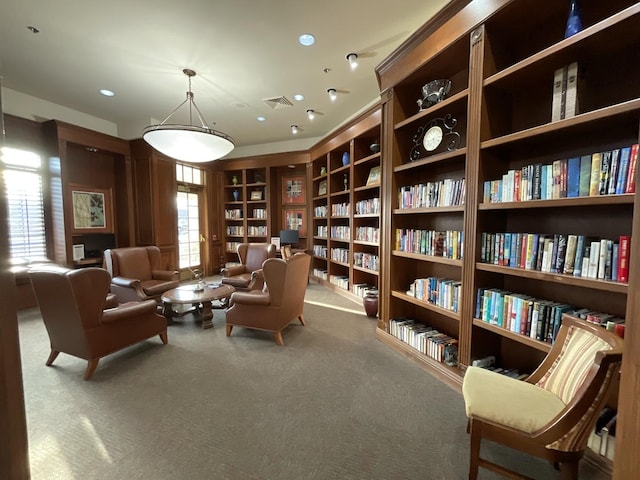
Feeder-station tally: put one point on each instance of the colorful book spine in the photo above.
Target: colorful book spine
(623, 258)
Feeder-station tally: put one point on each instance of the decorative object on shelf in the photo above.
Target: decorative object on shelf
(374, 176)
(92, 212)
(293, 190)
(374, 147)
(256, 195)
(346, 182)
(322, 187)
(323, 171)
(574, 21)
(234, 180)
(188, 143)
(433, 136)
(258, 177)
(345, 158)
(276, 241)
(236, 195)
(433, 92)
(295, 220)
(370, 302)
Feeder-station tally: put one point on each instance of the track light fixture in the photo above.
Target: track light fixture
(311, 114)
(352, 58)
(332, 94)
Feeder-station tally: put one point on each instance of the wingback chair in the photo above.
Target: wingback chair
(72, 302)
(281, 302)
(552, 413)
(248, 275)
(136, 273)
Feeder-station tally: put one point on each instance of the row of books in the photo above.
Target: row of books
(569, 254)
(442, 292)
(362, 289)
(367, 234)
(533, 317)
(320, 273)
(448, 243)
(340, 209)
(320, 211)
(612, 172)
(366, 260)
(257, 230)
(439, 346)
(341, 232)
(445, 193)
(370, 206)
(340, 281)
(320, 251)
(340, 255)
(233, 214)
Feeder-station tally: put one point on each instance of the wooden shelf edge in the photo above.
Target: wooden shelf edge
(447, 102)
(340, 291)
(427, 258)
(625, 198)
(537, 344)
(426, 305)
(366, 270)
(448, 375)
(413, 211)
(440, 157)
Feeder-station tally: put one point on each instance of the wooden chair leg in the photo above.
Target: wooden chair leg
(569, 470)
(474, 457)
(229, 328)
(91, 367)
(279, 340)
(52, 356)
(301, 318)
(164, 337)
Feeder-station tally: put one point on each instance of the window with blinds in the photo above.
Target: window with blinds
(22, 176)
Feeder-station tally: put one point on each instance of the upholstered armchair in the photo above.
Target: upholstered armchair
(72, 304)
(248, 275)
(281, 302)
(136, 274)
(552, 413)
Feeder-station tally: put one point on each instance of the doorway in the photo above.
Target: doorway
(190, 237)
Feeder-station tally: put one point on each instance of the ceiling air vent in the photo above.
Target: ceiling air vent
(278, 102)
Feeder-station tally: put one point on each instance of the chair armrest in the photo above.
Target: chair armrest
(111, 301)
(128, 310)
(165, 274)
(257, 280)
(251, 298)
(233, 270)
(125, 282)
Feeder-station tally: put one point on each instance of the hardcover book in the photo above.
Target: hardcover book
(594, 183)
(585, 175)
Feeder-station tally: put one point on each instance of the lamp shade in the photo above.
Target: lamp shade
(189, 143)
(288, 237)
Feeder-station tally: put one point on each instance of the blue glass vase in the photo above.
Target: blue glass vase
(574, 22)
(345, 158)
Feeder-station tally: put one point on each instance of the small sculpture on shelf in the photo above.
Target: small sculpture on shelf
(574, 22)
(433, 92)
(258, 177)
(323, 171)
(234, 180)
(346, 182)
(236, 195)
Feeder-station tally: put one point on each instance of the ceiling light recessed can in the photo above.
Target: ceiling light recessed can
(307, 39)
(260, 118)
(298, 97)
(107, 93)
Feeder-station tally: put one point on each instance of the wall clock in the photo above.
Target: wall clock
(437, 135)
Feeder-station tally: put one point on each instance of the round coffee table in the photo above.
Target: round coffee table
(202, 301)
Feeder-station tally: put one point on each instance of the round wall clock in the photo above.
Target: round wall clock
(432, 138)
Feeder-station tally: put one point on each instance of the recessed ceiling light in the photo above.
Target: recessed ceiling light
(294, 129)
(311, 114)
(306, 39)
(260, 118)
(298, 97)
(332, 94)
(33, 29)
(107, 93)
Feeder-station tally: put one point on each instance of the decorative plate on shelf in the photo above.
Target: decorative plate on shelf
(437, 135)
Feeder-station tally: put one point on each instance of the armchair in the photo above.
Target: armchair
(273, 308)
(72, 303)
(248, 275)
(136, 274)
(552, 413)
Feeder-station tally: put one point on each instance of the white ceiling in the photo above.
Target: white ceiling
(244, 51)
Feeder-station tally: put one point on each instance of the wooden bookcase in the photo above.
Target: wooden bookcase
(345, 208)
(501, 98)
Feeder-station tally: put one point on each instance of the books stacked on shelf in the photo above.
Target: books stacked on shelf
(257, 230)
(340, 281)
(610, 322)
(232, 247)
(235, 230)
(233, 214)
(367, 234)
(366, 260)
(565, 92)
(340, 255)
(445, 193)
(447, 244)
(320, 251)
(489, 363)
(611, 172)
(320, 211)
(323, 230)
(568, 254)
(370, 206)
(602, 440)
(340, 209)
(320, 273)
(260, 213)
(341, 232)
(532, 317)
(361, 289)
(439, 346)
(442, 292)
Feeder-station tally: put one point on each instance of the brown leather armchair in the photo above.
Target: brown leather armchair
(136, 274)
(279, 304)
(72, 303)
(248, 275)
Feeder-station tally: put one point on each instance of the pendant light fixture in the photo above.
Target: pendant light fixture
(188, 143)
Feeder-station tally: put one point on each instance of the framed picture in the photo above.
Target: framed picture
(322, 187)
(91, 209)
(276, 241)
(374, 176)
(295, 220)
(293, 190)
(256, 195)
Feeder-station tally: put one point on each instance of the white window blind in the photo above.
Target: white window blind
(23, 183)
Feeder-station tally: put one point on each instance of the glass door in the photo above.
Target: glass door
(190, 238)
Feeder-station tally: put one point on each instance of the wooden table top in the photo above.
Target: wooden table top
(188, 294)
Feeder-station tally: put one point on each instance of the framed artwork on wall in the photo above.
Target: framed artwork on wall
(293, 190)
(322, 187)
(295, 220)
(91, 209)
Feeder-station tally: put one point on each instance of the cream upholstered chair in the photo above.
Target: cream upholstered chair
(552, 413)
(277, 305)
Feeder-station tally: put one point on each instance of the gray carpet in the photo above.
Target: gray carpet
(333, 403)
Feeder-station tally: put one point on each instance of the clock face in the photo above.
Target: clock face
(432, 138)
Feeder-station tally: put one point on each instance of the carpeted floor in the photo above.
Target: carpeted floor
(333, 403)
